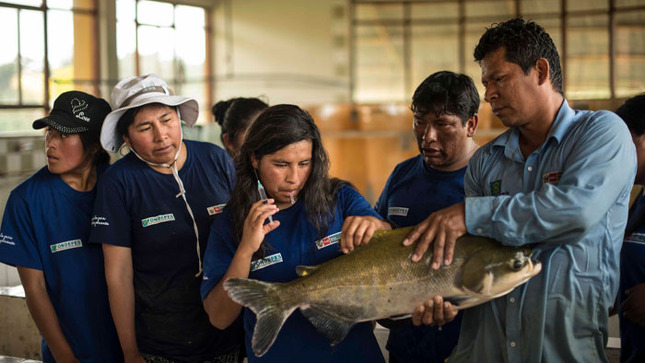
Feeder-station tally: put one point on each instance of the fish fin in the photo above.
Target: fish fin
(466, 302)
(263, 299)
(473, 274)
(303, 270)
(458, 301)
(394, 324)
(328, 324)
(400, 317)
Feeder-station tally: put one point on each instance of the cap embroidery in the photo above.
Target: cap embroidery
(78, 107)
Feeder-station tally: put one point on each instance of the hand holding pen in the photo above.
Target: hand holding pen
(263, 196)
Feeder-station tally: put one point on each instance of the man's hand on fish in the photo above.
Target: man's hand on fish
(443, 227)
(254, 226)
(357, 231)
(633, 307)
(434, 311)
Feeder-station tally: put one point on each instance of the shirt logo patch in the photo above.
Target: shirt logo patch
(496, 187)
(6, 239)
(266, 262)
(328, 241)
(397, 211)
(551, 178)
(151, 221)
(636, 237)
(102, 221)
(216, 209)
(67, 245)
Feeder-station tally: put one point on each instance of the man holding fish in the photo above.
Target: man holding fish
(557, 181)
(445, 109)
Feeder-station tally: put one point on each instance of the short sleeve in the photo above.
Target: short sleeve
(18, 243)
(381, 205)
(354, 204)
(219, 253)
(111, 217)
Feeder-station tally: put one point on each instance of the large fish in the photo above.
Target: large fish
(378, 281)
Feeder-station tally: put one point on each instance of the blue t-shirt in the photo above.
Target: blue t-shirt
(46, 225)
(295, 242)
(632, 272)
(413, 192)
(138, 207)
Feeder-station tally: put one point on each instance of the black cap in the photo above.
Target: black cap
(76, 112)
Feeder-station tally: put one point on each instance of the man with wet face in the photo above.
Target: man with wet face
(445, 109)
(559, 181)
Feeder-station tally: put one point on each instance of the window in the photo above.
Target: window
(47, 50)
(398, 43)
(168, 40)
(52, 46)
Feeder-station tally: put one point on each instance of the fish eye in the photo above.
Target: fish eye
(517, 264)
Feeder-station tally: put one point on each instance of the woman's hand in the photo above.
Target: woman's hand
(254, 227)
(221, 310)
(357, 231)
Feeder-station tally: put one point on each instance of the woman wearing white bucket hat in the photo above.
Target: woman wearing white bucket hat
(152, 215)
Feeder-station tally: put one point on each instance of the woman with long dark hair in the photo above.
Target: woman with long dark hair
(306, 211)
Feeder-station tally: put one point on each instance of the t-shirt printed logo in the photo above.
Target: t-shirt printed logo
(636, 237)
(551, 178)
(216, 209)
(496, 187)
(99, 221)
(266, 262)
(67, 245)
(151, 221)
(328, 241)
(6, 240)
(397, 211)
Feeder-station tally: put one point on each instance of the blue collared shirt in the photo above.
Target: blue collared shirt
(569, 201)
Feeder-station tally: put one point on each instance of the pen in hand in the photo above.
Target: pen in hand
(263, 196)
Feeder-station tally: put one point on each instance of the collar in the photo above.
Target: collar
(510, 140)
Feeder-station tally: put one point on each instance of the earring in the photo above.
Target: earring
(123, 147)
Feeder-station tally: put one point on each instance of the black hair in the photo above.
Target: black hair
(525, 43)
(125, 121)
(275, 128)
(633, 113)
(446, 92)
(236, 114)
(93, 149)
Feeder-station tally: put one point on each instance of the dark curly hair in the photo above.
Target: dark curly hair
(275, 128)
(633, 113)
(447, 92)
(236, 114)
(525, 42)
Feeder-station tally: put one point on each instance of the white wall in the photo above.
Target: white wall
(292, 51)
(8, 275)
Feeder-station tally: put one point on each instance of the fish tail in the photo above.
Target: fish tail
(271, 312)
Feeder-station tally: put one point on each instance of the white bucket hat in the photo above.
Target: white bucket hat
(133, 92)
